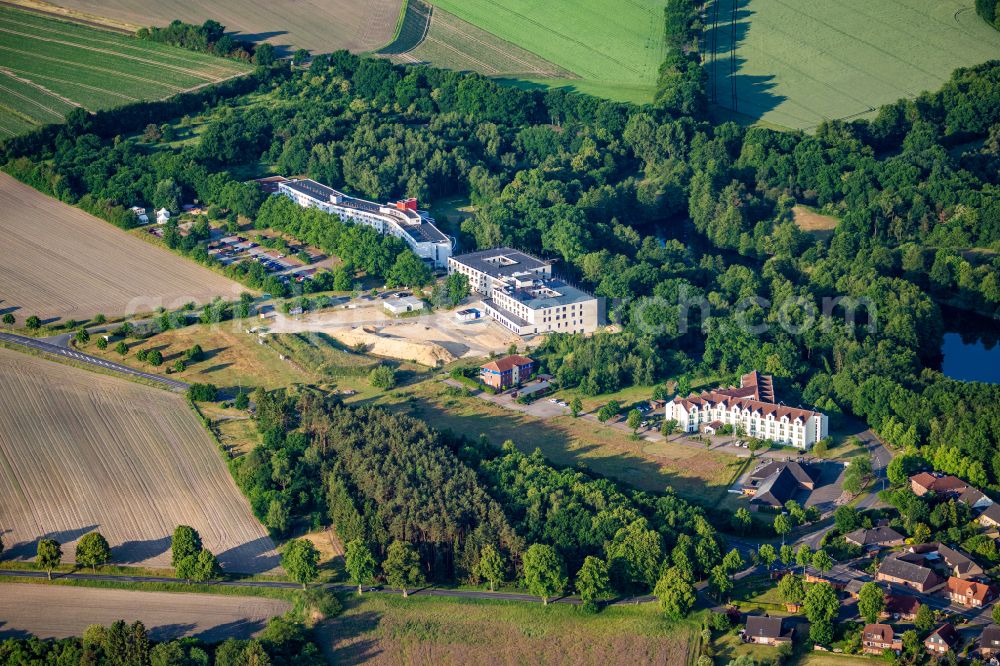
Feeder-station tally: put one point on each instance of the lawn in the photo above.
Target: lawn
(425, 630)
(801, 63)
(48, 66)
(615, 51)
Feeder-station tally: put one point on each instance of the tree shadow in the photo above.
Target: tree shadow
(416, 23)
(9, 632)
(340, 638)
(745, 98)
(29, 549)
(281, 50)
(130, 552)
(169, 632)
(252, 557)
(243, 628)
(216, 368)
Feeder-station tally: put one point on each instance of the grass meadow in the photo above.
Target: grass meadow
(382, 629)
(801, 63)
(612, 53)
(49, 66)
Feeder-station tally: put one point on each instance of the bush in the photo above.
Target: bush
(383, 377)
(203, 392)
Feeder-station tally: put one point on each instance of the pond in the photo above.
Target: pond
(971, 348)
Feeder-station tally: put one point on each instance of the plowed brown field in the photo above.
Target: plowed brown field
(58, 261)
(57, 611)
(82, 452)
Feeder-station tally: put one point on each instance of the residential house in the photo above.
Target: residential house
(750, 407)
(990, 517)
(975, 499)
(506, 372)
(942, 639)
(901, 607)
(140, 214)
(989, 642)
(875, 538)
(774, 483)
(970, 593)
(909, 574)
(925, 482)
(766, 630)
(876, 638)
(958, 563)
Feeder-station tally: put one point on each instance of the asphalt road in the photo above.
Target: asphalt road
(424, 591)
(67, 352)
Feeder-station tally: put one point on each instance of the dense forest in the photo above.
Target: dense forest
(989, 10)
(688, 226)
(381, 479)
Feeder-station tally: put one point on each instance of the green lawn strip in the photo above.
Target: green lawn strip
(181, 587)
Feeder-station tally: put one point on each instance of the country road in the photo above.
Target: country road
(425, 591)
(68, 352)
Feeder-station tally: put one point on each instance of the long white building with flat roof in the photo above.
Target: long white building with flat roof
(400, 219)
(521, 293)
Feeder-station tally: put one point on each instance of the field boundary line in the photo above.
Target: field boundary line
(94, 49)
(69, 18)
(45, 90)
(27, 99)
(101, 70)
(130, 43)
(81, 85)
(532, 69)
(400, 20)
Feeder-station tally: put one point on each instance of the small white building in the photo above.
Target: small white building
(162, 216)
(402, 305)
(140, 214)
(469, 314)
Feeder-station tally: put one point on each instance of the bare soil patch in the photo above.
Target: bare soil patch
(61, 611)
(82, 452)
(60, 262)
(810, 221)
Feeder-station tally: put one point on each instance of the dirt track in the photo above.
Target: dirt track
(58, 261)
(81, 451)
(57, 611)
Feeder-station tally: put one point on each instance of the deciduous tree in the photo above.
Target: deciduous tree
(871, 602)
(300, 560)
(491, 566)
(402, 566)
(360, 563)
(543, 572)
(93, 550)
(675, 593)
(49, 555)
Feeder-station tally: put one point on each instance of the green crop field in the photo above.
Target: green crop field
(48, 66)
(800, 63)
(431, 35)
(613, 53)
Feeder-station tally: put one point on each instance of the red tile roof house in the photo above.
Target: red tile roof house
(968, 592)
(941, 639)
(875, 638)
(924, 483)
(506, 372)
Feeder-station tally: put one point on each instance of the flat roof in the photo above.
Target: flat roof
(311, 188)
(557, 293)
(501, 262)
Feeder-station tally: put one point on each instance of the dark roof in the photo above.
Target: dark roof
(971, 495)
(777, 489)
(763, 626)
(913, 573)
(873, 536)
(992, 512)
(959, 561)
(311, 188)
(990, 638)
(946, 632)
(501, 262)
(903, 604)
(801, 473)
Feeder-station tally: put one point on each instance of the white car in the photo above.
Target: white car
(553, 400)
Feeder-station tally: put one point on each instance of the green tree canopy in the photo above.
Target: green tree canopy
(93, 550)
(402, 566)
(300, 561)
(543, 572)
(360, 563)
(675, 593)
(49, 555)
